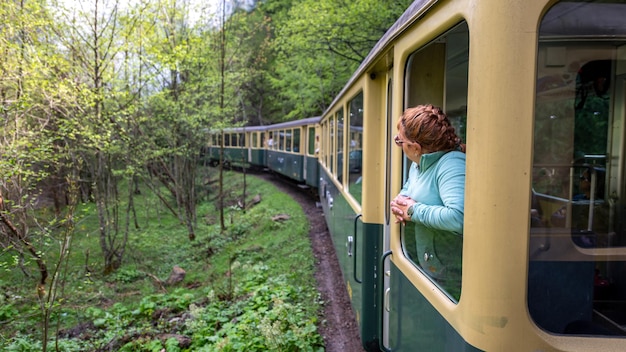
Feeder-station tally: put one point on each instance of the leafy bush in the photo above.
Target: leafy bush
(268, 317)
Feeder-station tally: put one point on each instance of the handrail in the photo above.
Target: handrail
(356, 250)
(384, 296)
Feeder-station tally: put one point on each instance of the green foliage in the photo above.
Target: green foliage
(127, 275)
(254, 291)
(269, 317)
(320, 44)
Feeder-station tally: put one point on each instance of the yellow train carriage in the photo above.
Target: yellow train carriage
(536, 89)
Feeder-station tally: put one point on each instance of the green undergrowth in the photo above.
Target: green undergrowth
(250, 288)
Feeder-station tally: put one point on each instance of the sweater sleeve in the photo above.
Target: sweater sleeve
(405, 188)
(450, 182)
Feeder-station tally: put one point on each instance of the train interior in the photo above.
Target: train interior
(577, 268)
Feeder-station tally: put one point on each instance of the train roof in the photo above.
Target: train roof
(288, 124)
(412, 13)
(295, 123)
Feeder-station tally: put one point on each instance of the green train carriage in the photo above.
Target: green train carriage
(292, 151)
(287, 148)
(242, 146)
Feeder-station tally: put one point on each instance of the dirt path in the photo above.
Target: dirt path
(337, 326)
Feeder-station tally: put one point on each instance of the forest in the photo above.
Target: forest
(103, 101)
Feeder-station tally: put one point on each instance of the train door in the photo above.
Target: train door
(389, 133)
(434, 74)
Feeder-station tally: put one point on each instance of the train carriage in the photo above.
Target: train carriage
(291, 149)
(537, 90)
(239, 145)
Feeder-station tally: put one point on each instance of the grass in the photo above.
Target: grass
(250, 288)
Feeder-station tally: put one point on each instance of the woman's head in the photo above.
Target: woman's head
(429, 127)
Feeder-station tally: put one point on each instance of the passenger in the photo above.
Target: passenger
(270, 142)
(433, 196)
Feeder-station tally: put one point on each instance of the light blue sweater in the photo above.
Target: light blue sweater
(438, 187)
(437, 184)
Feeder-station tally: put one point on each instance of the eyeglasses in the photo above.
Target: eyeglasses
(398, 141)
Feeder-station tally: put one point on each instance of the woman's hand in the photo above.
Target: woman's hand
(399, 207)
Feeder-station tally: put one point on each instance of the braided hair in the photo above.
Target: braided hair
(430, 127)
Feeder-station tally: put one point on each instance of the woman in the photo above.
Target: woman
(432, 198)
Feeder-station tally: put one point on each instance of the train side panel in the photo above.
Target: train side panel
(416, 325)
(358, 248)
(311, 171)
(257, 157)
(287, 164)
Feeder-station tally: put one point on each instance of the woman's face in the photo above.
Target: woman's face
(411, 149)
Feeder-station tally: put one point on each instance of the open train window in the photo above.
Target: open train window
(227, 140)
(339, 124)
(437, 74)
(577, 257)
(355, 144)
(313, 141)
(288, 140)
(331, 144)
(324, 143)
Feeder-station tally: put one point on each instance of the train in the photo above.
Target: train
(537, 91)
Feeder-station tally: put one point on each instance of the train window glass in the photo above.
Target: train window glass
(255, 140)
(241, 139)
(437, 74)
(296, 140)
(227, 139)
(331, 144)
(288, 140)
(324, 149)
(281, 140)
(312, 148)
(577, 256)
(262, 140)
(339, 128)
(355, 153)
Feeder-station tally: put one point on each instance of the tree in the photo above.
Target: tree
(94, 43)
(320, 44)
(35, 97)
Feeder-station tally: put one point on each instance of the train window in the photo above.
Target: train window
(271, 143)
(339, 128)
(312, 149)
(577, 257)
(241, 142)
(262, 141)
(288, 141)
(324, 149)
(355, 153)
(255, 140)
(296, 140)
(331, 144)
(281, 140)
(227, 139)
(437, 74)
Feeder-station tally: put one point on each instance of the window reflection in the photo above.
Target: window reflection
(575, 285)
(355, 160)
